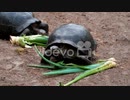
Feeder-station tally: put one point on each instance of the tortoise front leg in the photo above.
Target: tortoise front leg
(84, 60)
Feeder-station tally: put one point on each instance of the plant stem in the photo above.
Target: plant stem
(105, 66)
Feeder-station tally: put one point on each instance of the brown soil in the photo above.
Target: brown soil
(110, 29)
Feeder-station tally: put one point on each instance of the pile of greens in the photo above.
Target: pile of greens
(61, 68)
(29, 41)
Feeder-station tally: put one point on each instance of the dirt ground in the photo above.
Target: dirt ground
(110, 29)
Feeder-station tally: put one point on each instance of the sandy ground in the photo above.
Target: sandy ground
(110, 29)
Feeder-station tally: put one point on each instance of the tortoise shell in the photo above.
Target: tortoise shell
(13, 23)
(72, 37)
(72, 34)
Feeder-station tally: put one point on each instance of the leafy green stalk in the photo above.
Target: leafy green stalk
(36, 39)
(41, 66)
(28, 41)
(50, 62)
(72, 69)
(105, 66)
(63, 65)
(59, 65)
(64, 71)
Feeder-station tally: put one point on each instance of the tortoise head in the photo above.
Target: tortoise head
(40, 28)
(61, 51)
